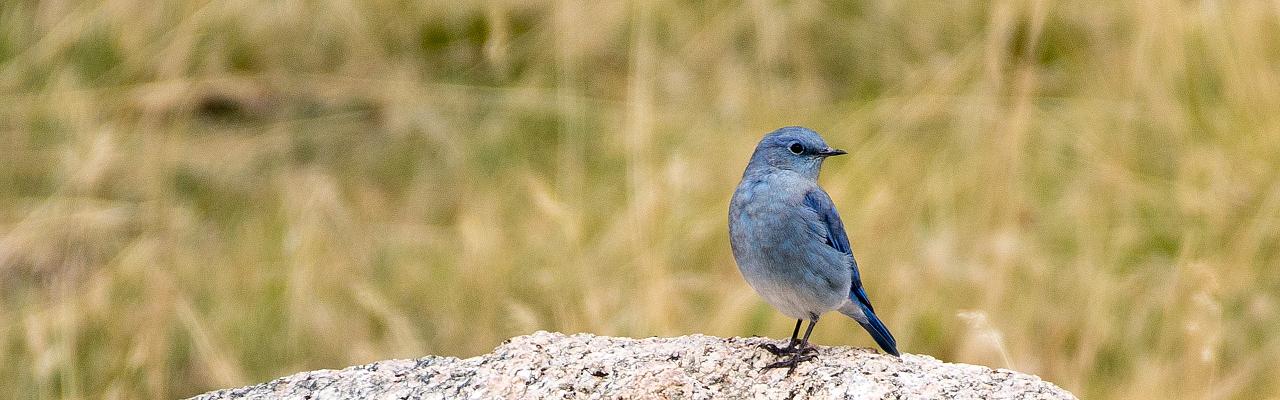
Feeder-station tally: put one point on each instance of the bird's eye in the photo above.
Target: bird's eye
(796, 148)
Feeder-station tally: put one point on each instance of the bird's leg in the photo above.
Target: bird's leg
(791, 345)
(798, 356)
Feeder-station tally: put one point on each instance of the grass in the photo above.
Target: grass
(196, 195)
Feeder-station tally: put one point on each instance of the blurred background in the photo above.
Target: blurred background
(204, 194)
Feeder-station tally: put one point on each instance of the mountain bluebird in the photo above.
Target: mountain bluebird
(791, 245)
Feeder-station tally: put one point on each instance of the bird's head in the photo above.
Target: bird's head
(792, 148)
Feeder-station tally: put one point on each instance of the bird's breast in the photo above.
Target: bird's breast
(778, 251)
(768, 223)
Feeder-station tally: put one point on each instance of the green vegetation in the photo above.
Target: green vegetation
(197, 195)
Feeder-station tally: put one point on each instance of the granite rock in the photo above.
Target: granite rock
(553, 365)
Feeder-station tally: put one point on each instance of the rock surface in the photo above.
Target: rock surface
(553, 365)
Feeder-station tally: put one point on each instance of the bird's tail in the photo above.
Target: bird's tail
(860, 312)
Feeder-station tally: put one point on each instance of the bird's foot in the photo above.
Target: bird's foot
(792, 348)
(796, 358)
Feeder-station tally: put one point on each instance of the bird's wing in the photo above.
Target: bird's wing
(821, 203)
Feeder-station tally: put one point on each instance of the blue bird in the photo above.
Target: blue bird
(791, 245)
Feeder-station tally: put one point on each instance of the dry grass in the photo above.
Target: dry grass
(197, 195)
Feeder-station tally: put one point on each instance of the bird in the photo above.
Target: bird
(790, 244)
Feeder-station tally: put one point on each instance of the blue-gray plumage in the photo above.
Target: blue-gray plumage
(790, 243)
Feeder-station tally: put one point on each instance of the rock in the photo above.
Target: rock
(553, 365)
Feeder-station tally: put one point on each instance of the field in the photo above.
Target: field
(196, 195)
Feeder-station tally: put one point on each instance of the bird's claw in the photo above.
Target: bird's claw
(796, 352)
(777, 351)
(793, 361)
(792, 348)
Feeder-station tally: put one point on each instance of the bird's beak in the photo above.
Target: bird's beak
(828, 152)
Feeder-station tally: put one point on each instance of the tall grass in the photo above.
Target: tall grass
(197, 195)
